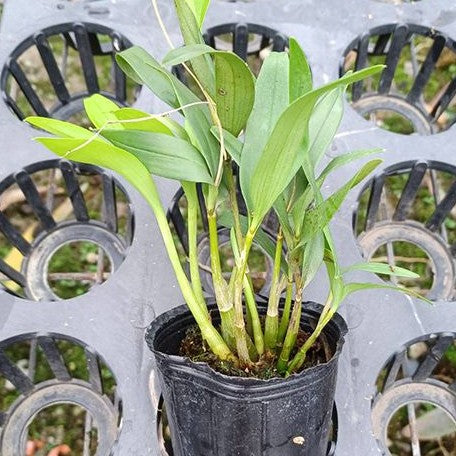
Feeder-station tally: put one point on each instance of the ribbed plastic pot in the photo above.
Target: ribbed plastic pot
(211, 414)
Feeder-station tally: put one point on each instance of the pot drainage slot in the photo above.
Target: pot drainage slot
(406, 217)
(50, 73)
(63, 229)
(415, 412)
(415, 92)
(56, 393)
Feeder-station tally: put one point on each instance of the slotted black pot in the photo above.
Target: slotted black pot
(213, 414)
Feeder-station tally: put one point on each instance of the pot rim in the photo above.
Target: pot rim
(205, 370)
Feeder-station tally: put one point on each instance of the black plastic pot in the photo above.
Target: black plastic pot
(211, 414)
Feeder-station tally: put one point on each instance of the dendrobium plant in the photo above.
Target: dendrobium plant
(265, 135)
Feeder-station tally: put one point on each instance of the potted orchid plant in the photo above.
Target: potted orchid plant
(240, 375)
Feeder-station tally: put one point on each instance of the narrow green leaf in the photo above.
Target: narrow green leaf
(354, 287)
(190, 28)
(153, 124)
(100, 110)
(313, 257)
(199, 8)
(59, 127)
(185, 53)
(381, 268)
(271, 98)
(232, 144)
(300, 73)
(140, 66)
(317, 218)
(163, 155)
(324, 123)
(345, 159)
(234, 91)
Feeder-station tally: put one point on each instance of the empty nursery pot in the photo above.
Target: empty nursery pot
(214, 414)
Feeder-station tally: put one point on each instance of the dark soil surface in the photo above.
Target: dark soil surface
(194, 348)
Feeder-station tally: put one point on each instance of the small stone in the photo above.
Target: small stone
(299, 440)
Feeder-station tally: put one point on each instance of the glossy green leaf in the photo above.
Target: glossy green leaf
(154, 125)
(59, 127)
(317, 218)
(271, 98)
(186, 53)
(199, 8)
(163, 155)
(381, 268)
(234, 91)
(354, 287)
(232, 144)
(300, 73)
(100, 110)
(190, 28)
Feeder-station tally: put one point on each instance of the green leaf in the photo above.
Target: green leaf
(300, 73)
(163, 155)
(344, 159)
(234, 91)
(185, 53)
(313, 257)
(170, 90)
(140, 66)
(59, 127)
(354, 287)
(190, 28)
(232, 144)
(105, 155)
(324, 123)
(381, 268)
(285, 150)
(199, 8)
(153, 124)
(271, 98)
(100, 110)
(317, 218)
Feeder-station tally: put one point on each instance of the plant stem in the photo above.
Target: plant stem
(239, 323)
(271, 326)
(224, 304)
(324, 319)
(192, 221)
(254, 317)
(293, 329)
(234, 204)
(208, 331)
(286, 313)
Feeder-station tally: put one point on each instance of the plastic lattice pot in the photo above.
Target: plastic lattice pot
(415, 91)
(49, 377)
(50, 73)
(405, 216)
(416, 402)
(63, 229)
